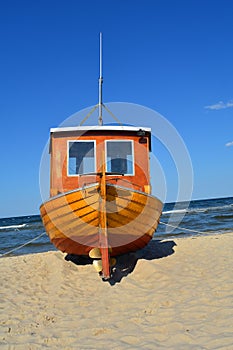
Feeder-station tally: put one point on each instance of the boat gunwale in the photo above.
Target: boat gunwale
(94, 185)
(69, 192)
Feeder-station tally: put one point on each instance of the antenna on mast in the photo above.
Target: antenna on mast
(100, 119)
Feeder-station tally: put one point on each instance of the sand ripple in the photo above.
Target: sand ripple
(172, 295)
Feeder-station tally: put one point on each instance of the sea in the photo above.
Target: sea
(26, 234)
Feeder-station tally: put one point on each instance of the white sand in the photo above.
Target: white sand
(179, 301)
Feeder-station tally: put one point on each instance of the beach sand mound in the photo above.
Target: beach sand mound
(171, 295)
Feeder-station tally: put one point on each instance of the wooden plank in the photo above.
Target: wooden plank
(75, 228)
(79, 212)
(69, 198)
(73, 216)
(103, 224)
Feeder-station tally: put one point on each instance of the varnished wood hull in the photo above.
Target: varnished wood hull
(72, 219)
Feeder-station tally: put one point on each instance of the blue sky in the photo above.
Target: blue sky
(174, 57)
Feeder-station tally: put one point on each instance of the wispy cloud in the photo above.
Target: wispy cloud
(220, 105)
(229, 144)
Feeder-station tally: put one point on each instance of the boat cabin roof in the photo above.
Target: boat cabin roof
(138, 130)
(100, 128)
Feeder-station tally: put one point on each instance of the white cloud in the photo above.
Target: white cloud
(220, 105)
(229, 144)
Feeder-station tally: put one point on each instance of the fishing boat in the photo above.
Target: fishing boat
(100, 203)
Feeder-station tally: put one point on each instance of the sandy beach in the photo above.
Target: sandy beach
(176, 294)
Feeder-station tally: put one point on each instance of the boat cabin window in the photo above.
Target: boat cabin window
(81, 157)
(119, 155)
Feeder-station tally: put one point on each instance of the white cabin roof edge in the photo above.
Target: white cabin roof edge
(100, 128)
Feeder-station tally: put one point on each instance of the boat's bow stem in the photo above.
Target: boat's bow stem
(103, 228)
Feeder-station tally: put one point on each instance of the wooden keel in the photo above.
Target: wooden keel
(103, 239)
(103, 233)
(105, 263)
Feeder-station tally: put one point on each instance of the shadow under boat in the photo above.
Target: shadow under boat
(126, 263)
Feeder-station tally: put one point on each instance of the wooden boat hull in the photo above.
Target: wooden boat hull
(72, 220)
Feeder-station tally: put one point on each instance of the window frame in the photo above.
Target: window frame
(68, 158)
(133, 158)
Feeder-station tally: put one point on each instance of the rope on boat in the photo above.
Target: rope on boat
(183, 228)
(88, 115)
(43, 233)
(114, 117)
(23, 245)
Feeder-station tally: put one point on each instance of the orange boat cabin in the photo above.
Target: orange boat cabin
(79, 153)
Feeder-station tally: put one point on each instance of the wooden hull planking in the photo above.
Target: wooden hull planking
(72, 220)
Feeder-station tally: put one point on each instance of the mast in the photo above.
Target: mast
(100, 119)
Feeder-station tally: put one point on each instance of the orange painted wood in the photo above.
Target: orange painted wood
(61, 182)
(103, 236)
